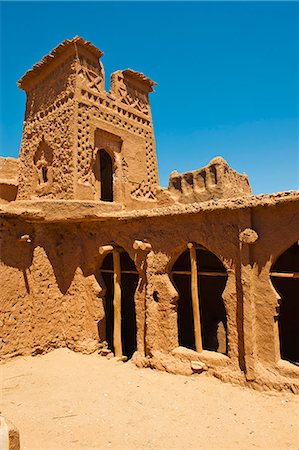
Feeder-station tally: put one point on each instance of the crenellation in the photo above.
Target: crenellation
(216, 180)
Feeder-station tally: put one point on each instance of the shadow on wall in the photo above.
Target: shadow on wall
(62, 247)
(277, 232)
(240, 312)
(64, 253)
(17, 244)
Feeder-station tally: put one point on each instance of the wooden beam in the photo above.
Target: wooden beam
(122, 271)
(285, 274)
(209, 274)
(195, 298)
(117, 305)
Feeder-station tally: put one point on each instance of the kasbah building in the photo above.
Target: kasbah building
(97, 257)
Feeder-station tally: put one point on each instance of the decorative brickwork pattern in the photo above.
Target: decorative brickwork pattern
(85, 146)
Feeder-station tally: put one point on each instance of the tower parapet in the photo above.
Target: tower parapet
(81, 142)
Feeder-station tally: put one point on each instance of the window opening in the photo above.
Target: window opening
(45, 174)
(127, 319)
(200, 279)
(155, 296)
(106, 176)
(285, 279)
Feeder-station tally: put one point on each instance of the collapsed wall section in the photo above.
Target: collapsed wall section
(215, 181)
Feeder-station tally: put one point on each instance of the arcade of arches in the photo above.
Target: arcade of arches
(201, 314)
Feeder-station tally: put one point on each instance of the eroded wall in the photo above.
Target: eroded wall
(9, 174)
(214, 181)
(50, 296)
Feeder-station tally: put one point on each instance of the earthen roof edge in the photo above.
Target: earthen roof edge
(58, 50)
(139, 76)
(91, 211)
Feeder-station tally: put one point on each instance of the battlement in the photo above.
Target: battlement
(215, 181)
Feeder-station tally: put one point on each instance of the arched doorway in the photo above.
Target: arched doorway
(104, 176)
(128, 281)
(285, 279)
(211, 280)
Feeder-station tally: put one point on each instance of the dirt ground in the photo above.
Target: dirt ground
(65, 400)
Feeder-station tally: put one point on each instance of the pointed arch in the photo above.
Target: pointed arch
(128, 280)
(284, 276)
(43, 159)
(211, 282)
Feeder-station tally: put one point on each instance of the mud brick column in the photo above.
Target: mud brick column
(142, 250)
(247, 237)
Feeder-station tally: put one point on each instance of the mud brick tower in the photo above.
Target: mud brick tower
(75, 131)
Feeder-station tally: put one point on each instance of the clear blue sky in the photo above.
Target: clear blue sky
(227, 73)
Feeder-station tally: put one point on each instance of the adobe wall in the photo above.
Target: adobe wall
(215, 180)
(51, 298)
(9, 172)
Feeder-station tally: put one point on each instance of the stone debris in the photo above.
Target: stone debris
(198, 366)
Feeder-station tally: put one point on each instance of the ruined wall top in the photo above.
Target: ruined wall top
(217, 180)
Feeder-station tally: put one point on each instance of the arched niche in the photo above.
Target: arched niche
(43, 159)
(211, 282)
(103, 170)
(285, 279)
(129, 278)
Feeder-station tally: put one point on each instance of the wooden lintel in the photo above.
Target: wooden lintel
(285, 274)
(122, 271)
(209, 274)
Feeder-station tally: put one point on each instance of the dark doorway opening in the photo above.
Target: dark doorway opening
(129, 282)
(285, 279)
(45, 174)
(212, 279)
(106, 176)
